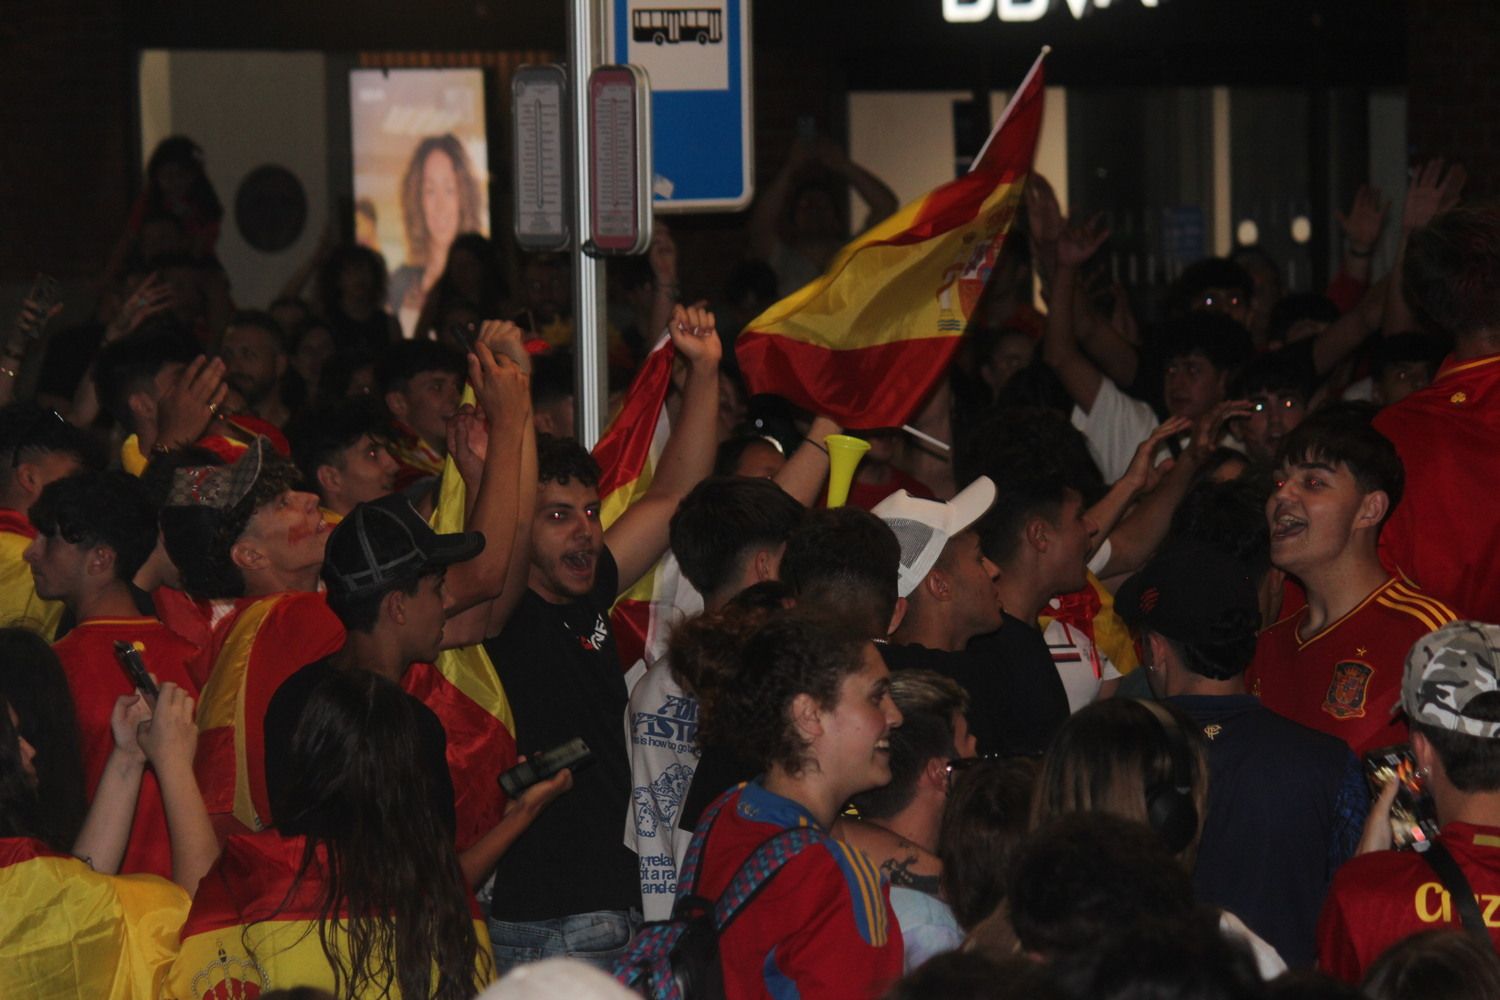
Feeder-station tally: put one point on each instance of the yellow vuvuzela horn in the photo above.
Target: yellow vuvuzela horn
(844, 453)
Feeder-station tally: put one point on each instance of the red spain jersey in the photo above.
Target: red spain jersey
(1446, 528)
(821, 928)
(1378, 899)
(1345, 680)
(96, 680)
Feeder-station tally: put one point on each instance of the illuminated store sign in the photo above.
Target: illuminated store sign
(969, 11)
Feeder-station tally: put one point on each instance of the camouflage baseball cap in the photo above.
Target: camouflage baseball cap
(1446, 670)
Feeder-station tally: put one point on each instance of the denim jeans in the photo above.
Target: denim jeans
(597, 938)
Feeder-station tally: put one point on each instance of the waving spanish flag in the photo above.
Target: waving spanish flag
(866, 341)
(68, 932)
(627, 455)
(253, 925)
(464, 692)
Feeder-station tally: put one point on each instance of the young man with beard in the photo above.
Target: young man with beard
(255, 360)
(1335, 664)
(570, 885)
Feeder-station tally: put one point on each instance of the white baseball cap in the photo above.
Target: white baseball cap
(923, 527)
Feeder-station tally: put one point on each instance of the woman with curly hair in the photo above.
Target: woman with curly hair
(440, 198)
(357, 890)
(808, 702)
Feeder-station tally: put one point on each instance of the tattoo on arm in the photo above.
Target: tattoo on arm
(899, 872)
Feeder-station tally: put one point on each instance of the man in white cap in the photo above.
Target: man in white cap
(1450, 693)
(952, 597)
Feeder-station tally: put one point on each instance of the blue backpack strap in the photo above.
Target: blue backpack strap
(758, 870)
(687, 876)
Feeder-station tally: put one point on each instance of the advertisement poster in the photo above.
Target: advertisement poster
(420, 172)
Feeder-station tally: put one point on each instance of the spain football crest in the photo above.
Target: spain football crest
(1346, 692)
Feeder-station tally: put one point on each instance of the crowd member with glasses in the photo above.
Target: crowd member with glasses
(37, 446)
(898, 822)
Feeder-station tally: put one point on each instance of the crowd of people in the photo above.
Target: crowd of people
(1176, 675)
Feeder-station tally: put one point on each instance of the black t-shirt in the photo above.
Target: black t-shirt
(285, 709)
(562, 676)
(1016, 698)
(718, 770)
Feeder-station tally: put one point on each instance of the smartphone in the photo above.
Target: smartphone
(1413, 818)
(42, 297)
(135, 669)
(573, 754)
(463, 335)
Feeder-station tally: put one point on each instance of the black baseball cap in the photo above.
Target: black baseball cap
(385, 542)
(1194, 593)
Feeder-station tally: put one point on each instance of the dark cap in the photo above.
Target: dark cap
(385, 542)
(1193, 593)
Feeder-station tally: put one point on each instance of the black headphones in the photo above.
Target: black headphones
(1170, 808)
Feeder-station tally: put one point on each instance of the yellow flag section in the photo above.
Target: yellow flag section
(68, 932)
(465, 693)
(627, 454)
(254, 925)
(19, 604)
(866, 341)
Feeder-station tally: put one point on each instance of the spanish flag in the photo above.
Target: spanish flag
(627, 455)
(263, 642)
(19, 604)
(865, 342)
(464, 692)
(253, 926)
(68, 932)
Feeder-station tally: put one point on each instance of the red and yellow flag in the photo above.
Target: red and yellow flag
(627, 454)
(265, 641)
(865, 342)
(253, 926)
(68, 932)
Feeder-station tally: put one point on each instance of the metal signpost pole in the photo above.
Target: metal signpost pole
(591, 384)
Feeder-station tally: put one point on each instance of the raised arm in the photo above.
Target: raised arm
(805, 472)
(1060, 349)
(1362, 226)
(504, 395)
(169, 739)
(1142, 476)
(106, 829)
(640, 535)
(1433, 190)
(877, 195)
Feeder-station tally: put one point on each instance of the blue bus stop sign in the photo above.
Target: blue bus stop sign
(697, 55)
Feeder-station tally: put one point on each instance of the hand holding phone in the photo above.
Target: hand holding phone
(574, 754)
(1413, 819)
(135, 669)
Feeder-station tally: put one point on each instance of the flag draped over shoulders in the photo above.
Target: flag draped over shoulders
(67, 931)
(865, 342)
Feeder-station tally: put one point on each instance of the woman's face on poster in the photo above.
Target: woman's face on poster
(440, 199)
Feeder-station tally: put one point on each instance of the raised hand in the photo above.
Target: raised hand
(1210, 426)
(1433, 190)
(695, 336)
(501, 388)
(1142, 470)
(1043, 214)
(184, 412)
(170, 733)
(468, 443)
(1365, 220)
(150, 298)
(502, 336)
(1077, 244)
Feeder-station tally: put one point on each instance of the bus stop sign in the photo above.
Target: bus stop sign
(697, 54)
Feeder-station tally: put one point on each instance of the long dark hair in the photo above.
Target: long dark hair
(358, 795)
(33, 683)
(418, 237)
(18, 798)
(181, 150)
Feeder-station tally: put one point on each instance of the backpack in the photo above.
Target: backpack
(678, 958)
